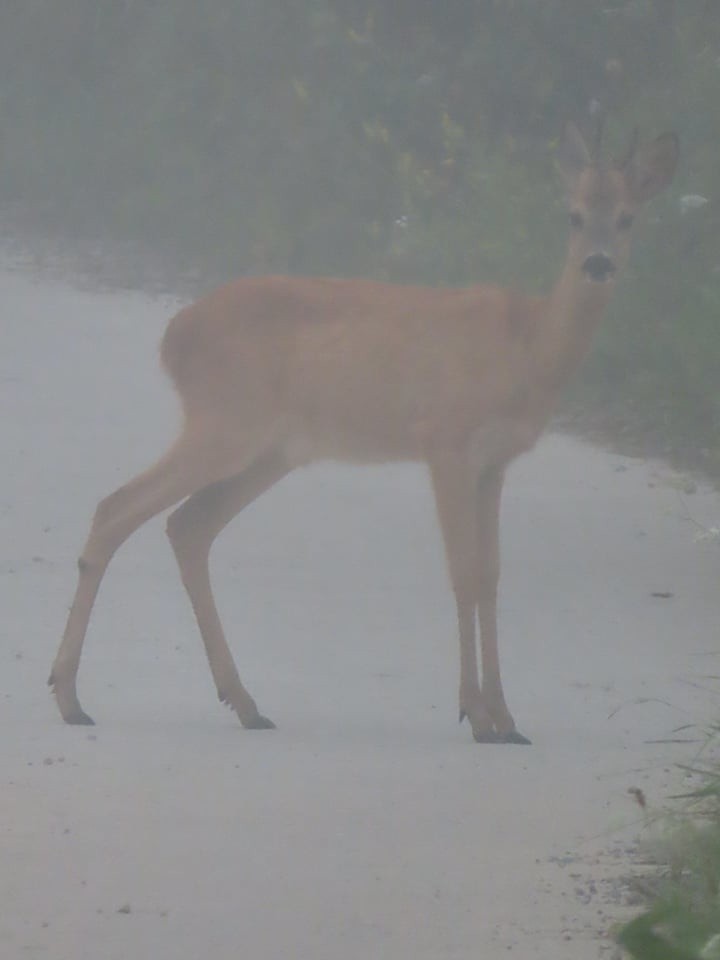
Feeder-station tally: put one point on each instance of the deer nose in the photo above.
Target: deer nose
(598, 267)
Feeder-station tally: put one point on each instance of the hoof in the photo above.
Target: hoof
(491, 736)
(70, 709)
(79, 719)
(487, 736)
(259, 723)
(515, 737)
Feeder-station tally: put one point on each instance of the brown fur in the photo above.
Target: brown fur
(350, 369)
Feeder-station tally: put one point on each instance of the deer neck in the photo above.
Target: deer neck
(572, 313)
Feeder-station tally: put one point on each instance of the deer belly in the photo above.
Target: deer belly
(351, 439)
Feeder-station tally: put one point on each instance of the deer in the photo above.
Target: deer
(277, 372)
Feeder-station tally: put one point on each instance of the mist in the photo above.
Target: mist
(240, 157)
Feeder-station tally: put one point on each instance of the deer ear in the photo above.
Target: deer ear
(652, 167)
(573, 156)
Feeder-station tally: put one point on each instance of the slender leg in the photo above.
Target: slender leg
(454, 489)
(469, 520)
(489, 491)
(193, 462)
(192, 529)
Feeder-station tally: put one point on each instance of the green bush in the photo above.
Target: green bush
(682, 919)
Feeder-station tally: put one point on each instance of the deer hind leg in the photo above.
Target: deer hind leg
(195, 460)
(192, 529)
(468, 516)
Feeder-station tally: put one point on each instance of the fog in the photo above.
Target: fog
(152, 152)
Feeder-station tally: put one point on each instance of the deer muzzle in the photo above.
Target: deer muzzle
(598, 267)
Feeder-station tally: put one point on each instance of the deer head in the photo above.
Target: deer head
(604, 198)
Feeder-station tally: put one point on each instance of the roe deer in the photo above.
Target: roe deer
(276, 372)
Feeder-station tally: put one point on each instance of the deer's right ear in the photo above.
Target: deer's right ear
(652, 167)
(573, 156)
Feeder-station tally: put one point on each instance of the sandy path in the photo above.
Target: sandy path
(369, 825)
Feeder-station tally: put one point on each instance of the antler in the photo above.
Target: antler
(597, 143)
(631, 148)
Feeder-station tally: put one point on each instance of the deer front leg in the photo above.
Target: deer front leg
(487, 517)
(454, 489)
(468, 514)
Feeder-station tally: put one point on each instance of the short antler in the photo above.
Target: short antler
(631, 148)
(597, 142)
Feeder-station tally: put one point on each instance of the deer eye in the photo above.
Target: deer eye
(625, 221)
(576, 220)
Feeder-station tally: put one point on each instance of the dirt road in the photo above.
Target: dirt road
(368, 825)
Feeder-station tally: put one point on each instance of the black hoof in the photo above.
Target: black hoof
(462, 715)
(259, 723)
(491, 737)
(79, 719)
(487, 736)
(515, 737)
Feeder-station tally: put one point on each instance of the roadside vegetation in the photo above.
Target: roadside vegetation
(681, 919)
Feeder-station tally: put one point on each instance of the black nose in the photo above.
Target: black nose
(598, 267)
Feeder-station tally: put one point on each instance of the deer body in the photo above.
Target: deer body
(277, 372)
(360, 371)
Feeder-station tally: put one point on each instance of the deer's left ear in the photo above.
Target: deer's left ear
(652, 167)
